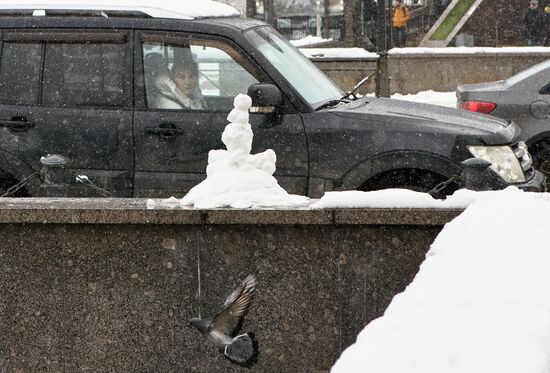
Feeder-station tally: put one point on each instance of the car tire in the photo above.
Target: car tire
(413, 179)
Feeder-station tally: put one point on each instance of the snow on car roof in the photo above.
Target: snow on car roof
(180, 9)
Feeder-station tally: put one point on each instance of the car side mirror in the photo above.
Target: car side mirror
(265, 98)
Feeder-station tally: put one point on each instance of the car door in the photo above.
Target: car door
(172, 140)
(69, 93)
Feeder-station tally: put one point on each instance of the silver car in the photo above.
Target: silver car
(524, 99)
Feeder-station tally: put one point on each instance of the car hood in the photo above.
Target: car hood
(433, 118)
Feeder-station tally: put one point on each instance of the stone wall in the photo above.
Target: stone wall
(412, 73)
(108, 285)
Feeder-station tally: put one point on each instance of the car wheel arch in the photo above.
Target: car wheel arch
(402, 160)
(538, 138)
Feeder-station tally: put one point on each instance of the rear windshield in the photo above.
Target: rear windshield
(526, 74)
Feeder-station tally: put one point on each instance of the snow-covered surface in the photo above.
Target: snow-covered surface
(397, 198)
(177, 9)
(240, 5)
(337, 53)
(309, 40)
(470, 50)
(447, 99)
(236, 178)
(479, 302)
(362, 53)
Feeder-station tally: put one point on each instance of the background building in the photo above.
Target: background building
(353, 22)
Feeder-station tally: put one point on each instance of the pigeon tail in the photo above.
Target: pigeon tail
(243, 349)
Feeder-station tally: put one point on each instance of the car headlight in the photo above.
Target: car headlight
(503, 161)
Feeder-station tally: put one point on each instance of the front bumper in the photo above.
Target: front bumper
(537, 183)
(487, 179)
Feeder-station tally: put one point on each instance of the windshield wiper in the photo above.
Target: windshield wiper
(353, 92)
(329, 103)
(349, 95)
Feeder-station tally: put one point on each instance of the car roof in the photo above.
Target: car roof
(537, 74)
(172, 9)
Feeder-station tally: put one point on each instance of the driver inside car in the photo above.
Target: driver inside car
(179, 88)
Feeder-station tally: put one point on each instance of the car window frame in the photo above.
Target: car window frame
(55, 35)
(143, 36)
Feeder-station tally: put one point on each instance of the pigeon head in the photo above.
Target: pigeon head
(201, 324)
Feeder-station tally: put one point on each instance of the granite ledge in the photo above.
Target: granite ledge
(152, 211)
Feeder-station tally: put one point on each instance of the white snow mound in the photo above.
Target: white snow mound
(234, 177)
(479, 302)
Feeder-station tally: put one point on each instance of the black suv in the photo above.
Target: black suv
(81, 82)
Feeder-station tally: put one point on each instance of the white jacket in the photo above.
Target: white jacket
(172, 98)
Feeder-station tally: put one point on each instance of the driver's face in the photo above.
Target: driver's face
(186, 81)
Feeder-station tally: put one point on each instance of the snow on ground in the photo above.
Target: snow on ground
(447, 99)
(470, 50)
(362, 53)
(479, 302)
(337, 53)
(397, 198)
(309, 40)
(236, 178)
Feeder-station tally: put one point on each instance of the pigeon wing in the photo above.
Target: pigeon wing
(230, 319)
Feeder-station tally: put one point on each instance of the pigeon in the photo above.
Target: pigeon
(221, 331)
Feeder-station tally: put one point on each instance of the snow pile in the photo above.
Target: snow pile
(447, 99)
(479, 302)
(309, 41)
(399, 198)
(236, 178)
(362, 53)
(470, 50)
(337, 53)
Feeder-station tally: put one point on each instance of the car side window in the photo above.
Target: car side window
(20, 73)
(194, 74)
(84, 74)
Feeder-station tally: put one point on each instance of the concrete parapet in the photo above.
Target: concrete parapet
(415, 72)
(107, 285)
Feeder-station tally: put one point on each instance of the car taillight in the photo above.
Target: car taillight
(478, 106)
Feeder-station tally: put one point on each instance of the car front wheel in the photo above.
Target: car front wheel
(413, 179)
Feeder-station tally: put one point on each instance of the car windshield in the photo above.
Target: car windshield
(521, 76)
(314, 86)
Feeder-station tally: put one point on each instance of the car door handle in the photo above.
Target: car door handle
(16, 124)
(164, 130)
